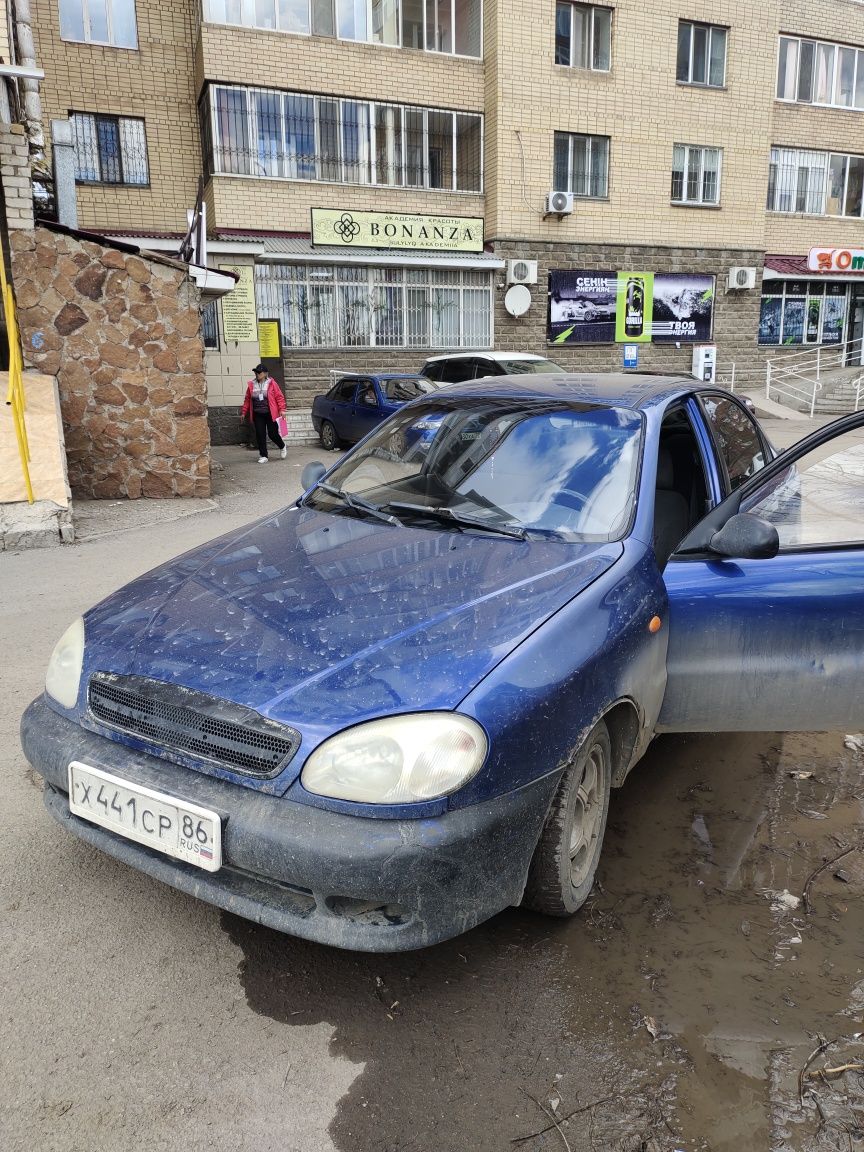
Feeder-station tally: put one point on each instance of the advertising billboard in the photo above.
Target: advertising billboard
(606, 307)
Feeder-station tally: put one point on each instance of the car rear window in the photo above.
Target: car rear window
(406, 388)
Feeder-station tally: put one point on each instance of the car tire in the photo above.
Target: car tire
(565, 860)
(329, 439)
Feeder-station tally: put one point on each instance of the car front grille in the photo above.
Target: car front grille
(181, 720)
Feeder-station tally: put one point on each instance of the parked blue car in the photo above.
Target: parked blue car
(398, 706)
(356, 404)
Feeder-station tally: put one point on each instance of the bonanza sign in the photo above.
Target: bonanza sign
(397, 230)
(836, 260)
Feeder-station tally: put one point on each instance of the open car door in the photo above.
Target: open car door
(769, 637)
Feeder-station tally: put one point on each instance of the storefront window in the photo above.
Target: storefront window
(354, 306)
(802, 312)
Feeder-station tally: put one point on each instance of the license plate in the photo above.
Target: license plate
(169, 825)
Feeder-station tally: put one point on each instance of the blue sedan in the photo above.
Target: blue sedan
(399, 705)
(356, 404)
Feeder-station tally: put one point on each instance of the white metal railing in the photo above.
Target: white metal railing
(788, 386)
(798, 375)
(859, 391)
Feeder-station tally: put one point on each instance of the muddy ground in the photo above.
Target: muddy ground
(681, 1010)
(698, 1003)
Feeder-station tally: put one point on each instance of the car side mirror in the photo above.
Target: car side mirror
(746, 537)
(311, 474)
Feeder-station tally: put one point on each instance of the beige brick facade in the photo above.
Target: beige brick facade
(524, 97)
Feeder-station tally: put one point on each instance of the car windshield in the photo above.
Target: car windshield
(506, 464)
(521, 367)
(407, 387)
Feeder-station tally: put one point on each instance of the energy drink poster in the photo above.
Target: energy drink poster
(635, 300)
(582, 307)
(606, 307)
(683, 308)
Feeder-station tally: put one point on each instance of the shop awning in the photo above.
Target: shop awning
(795, 268)
(300, 250)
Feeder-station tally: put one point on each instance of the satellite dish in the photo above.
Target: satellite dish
(517, 300)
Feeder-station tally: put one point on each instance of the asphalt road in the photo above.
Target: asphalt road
(677, 1012)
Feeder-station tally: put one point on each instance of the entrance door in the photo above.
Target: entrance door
(775, 644)
(855, 355)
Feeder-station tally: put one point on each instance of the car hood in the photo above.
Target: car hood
(320, 620)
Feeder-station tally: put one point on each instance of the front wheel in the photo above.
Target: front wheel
(329, 439)
(566, 857)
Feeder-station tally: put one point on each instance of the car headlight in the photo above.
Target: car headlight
(64, 667)
(397, 760)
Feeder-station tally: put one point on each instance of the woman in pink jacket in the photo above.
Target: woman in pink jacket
(263, 405)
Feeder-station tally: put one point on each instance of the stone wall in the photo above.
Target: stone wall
(121, 333)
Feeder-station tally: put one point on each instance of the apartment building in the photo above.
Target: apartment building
(381, 173)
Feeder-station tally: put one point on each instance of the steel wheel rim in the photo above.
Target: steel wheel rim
(587, 817)
(329, 436)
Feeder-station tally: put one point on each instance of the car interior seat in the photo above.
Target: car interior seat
(671, 509)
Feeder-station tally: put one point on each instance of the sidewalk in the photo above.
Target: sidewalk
(243, 489)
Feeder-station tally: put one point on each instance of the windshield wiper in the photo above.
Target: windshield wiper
(439, 512)
(358, 504)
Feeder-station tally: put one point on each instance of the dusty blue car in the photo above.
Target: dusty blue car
(399, 705)
(358, 403)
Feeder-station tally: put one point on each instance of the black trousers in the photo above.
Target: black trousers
(265, 427)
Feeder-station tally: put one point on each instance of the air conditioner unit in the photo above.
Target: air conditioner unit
(741, 278)
(521, 272)
(559, 203)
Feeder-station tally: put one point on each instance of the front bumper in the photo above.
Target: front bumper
(365, 884)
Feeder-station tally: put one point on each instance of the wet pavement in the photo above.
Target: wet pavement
(708, 998)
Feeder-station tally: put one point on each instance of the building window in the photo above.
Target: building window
(99, 22)
(260, 132)
(353, 306)
(581, 164)
(109, 149)
(802, 312)
(701, 54)
(583, 36)
(454, 27)
(816, 183)
(815, 72)
(695, 175)
(210, 324)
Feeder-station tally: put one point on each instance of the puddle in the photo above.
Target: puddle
(678, 1011)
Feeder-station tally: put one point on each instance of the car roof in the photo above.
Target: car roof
(488, 355)
(607, 389)
(380, 376)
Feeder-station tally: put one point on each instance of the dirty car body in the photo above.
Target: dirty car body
(397, 706)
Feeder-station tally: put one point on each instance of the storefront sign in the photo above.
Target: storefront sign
(238, 307)
(588, 307)
(836, 260)
(397, 230)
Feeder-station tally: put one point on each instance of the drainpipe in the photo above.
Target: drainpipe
(23, 38)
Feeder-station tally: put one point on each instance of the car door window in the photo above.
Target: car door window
(344, 391)
(458, 370)
(737, 438)
(818, 500)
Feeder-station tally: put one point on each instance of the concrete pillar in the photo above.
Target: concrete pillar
(65, 194)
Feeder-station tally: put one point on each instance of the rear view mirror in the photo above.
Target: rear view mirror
(746, 537)
(311, 474)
